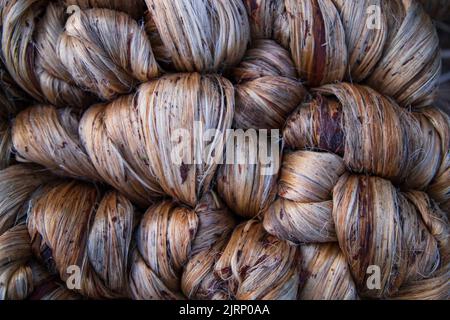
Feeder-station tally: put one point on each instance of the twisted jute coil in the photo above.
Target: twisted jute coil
(5, 134)
(363, 158)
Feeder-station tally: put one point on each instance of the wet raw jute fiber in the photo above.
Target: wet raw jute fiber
(98, 96)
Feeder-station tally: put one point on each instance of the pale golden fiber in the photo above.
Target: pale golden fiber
(49, 137)
(396, 52)
(410, 67)
(372, 133)
(171, 237)
(326, 274)
(266, 85)
(302, 211)
(264, 58)
(60, 60)
(113, 138)
(313, 26)
(73, 223)
(181, 102)
(30, 52)
(22, 277)
(134, 8)
(92, 49)
(248, 186)
(364, 43)
(18, 22)
(265, 17)
(17, 184)
(437, 9)
(202, 35)
(259, 266)
(56, 83)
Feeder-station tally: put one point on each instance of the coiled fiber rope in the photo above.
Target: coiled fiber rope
(364, 154)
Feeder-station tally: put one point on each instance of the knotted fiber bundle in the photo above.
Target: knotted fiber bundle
(117, 143)
(23, 277)
(5, 134)
(318, 202)
(71, 57)
(10, 103)
(177, 249)
(75, 223)
(398, 55)
(11, 98)
(358, 130)
(186, 244)
(146, 209)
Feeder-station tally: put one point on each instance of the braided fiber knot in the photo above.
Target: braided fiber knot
(398, 56)
(265, 69)
(5, 133)
(21, 275)
(403, 232)
(115, 142)
(223, 149)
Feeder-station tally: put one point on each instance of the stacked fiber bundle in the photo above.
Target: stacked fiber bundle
(343, 167)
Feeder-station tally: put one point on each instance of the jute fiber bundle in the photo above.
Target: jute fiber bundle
(21, 274)
(360, 53)
(345, 158)
(117, 142)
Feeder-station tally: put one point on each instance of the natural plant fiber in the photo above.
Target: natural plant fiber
(22, 277)
(103, 145)
(215, 37)
(372, 134)
(8, 107)
(121, 113)
(132, 7)
(265, 68)
(5, 142)
(437, 9)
